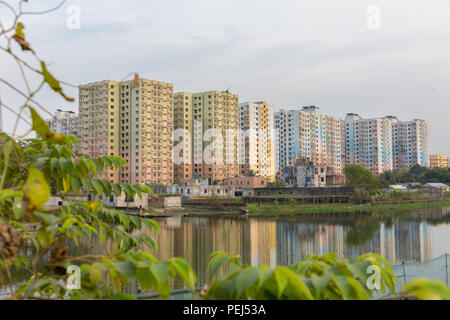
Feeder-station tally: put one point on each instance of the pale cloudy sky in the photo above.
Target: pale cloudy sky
(290, 53)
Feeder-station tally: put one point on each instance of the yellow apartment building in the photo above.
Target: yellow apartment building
(132, 119)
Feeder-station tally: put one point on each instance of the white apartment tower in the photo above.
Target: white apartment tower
(369, 142)
(65, 122)
(308, 134)
(411, 143)
(382, 144)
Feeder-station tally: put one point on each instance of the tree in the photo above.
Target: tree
(28, 168)
(250, 173)
(365, 183)
(276, 184)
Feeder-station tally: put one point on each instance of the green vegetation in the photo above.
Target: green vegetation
(30, 167)
(289, 209)
(365, 183)
(326, 277)
(415, 174)
(276, 184)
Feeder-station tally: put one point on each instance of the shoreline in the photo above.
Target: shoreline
(274, 210)
(280, 210)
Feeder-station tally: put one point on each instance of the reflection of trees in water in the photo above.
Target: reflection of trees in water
(363, 231)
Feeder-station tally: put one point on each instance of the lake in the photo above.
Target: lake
(417, 236)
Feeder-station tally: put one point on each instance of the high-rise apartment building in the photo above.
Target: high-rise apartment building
(439, 161)
(382, 144)
(98, 122)
(65, 122)
(257, 139)
(308, 134)
(410, 142)
(369, 142)
(183, 122)
(287, 137)
(214, 135)
(134, 120)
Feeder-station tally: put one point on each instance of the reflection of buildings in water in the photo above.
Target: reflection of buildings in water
(403, 241)
(296, 241)
(262, 242)
(414, 241)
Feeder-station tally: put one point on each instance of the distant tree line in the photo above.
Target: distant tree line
(415, 174)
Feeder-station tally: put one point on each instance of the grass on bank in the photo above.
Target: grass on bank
(292, 209)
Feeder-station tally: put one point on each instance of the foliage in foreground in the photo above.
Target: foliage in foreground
(30, 169)
(315, 278)
(326, 277)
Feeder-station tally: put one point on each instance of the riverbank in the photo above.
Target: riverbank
(288, 209)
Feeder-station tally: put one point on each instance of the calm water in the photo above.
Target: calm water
(416, 236)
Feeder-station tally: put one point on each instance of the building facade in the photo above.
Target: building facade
(308, 134)
(382, 144)
(212, 123)
(247, 182)
(65, 122)
(257, 139)
(439, 161)
(303, 173)
(134, 120)
(411, 143)
(369, 142)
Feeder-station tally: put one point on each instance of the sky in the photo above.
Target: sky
(336, 55)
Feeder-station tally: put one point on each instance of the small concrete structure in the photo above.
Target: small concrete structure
(166, 202)
(55, 202)
(195, 190)
(436, 185)
(122, 202)
(398, 187)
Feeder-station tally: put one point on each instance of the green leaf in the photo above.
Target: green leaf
(76, 184)
(39, 125)
(244, 280)
(44, 237)
(217, 260)
(182, 269)
(320, 283)
(19, 36)
(150, 224)
(36, 188)
(98, 187)
(342, 284)
(125, 268)
(280, 281)
(96, 272)
(145, 278)
(52, 82)
(426, 289)
(103, 233)
(117, 189)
